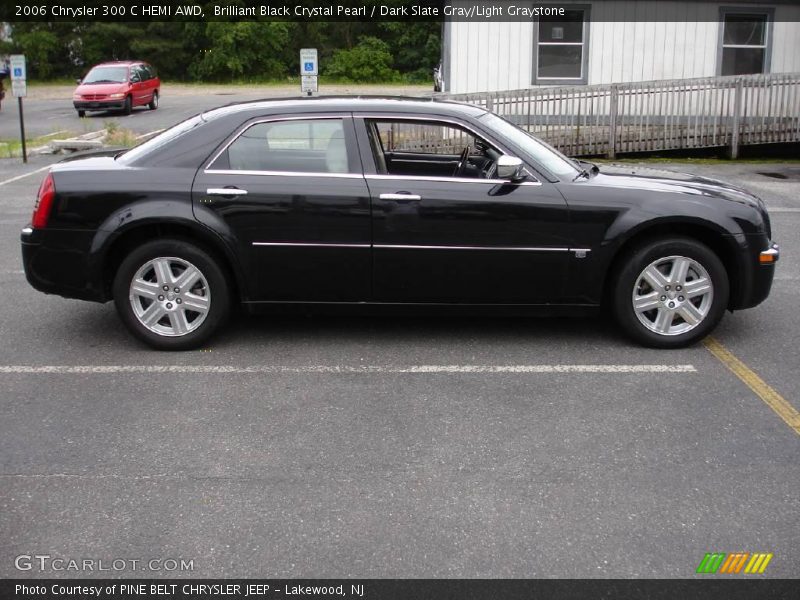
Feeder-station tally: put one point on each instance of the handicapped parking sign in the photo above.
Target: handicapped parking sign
(17, 72)
(309, 62)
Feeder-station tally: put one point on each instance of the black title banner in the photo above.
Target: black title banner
(360, 10)
(394, 589)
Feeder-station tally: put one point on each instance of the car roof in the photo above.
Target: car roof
(401, 104)
(119, 63)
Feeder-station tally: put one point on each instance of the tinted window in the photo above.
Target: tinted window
(303, 146)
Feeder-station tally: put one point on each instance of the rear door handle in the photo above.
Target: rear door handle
(401, 197)
(232, 191)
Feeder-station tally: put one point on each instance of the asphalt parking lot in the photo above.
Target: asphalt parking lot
(337, 455)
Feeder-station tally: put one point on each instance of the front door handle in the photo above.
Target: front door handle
(401, 197)
(231, 191)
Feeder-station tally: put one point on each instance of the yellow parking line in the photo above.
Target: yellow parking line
(771, 398)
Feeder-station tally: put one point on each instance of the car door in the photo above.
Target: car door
(138, 85)
(467, 237)
(292, 193)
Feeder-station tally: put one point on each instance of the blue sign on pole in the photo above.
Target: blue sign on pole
(309, 66)
(18, 72)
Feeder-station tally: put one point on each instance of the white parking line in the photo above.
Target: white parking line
(224, 369)
(784, 209)
(18, 177)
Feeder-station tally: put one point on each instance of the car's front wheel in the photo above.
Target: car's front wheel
(171, 294)
(127, 108)
(671, 292)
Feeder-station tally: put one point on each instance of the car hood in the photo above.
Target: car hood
(661, 180)
(100, 88)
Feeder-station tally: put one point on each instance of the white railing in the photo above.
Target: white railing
(654, 115)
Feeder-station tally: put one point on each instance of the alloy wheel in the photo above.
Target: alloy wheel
(170, 296)
(672, 295)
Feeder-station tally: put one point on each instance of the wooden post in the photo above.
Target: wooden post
(737, 114)
(612, 119)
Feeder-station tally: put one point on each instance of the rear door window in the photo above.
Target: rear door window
(297, 146)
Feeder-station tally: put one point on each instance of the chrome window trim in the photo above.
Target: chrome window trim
(450, 179)
(249, 124)
(284, 173)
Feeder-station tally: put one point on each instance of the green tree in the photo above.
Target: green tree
(370, 60)
(243, 49)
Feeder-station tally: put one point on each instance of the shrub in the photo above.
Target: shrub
(370, 60)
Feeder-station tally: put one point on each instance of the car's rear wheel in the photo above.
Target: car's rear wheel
(154, 102)
(128, 106)
(171, 294)
(670, 293)
(81, 113)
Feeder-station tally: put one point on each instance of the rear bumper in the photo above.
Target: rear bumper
(54, 269)
(99, 104)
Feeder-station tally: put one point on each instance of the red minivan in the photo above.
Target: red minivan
(118, 85)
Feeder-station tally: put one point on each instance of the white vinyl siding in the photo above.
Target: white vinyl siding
(629, 41)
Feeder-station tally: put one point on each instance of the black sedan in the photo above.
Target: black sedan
(393, 203)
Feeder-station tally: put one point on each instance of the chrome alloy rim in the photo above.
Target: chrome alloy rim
(672, 295)
(170, 296)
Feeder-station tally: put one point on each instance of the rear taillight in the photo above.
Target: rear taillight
(44, 202)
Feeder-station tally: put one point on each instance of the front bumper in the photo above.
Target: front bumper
(762, 273)
(99, 104)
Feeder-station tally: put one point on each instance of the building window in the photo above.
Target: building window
(745, 41)
(562, 47)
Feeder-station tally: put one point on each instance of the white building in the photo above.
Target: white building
(616, 41)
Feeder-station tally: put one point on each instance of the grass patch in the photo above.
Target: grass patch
(12, 147)
(119, 136)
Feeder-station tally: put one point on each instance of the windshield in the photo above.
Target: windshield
(547, 156)
(107, 75)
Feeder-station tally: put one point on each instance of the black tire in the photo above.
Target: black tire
(81, 113)
(154, 102)
(212, 283)
(128, 107)
(628, 280)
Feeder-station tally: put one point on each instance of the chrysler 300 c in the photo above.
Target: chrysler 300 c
(388, 202)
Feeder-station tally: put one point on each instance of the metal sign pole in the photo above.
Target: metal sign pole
(19, 87)
(22, 131)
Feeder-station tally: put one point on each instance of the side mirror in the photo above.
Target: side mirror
(135, 79)
(510, 167)
(78, 80)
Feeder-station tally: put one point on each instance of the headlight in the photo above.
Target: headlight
(76, 96)
(116, 96)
